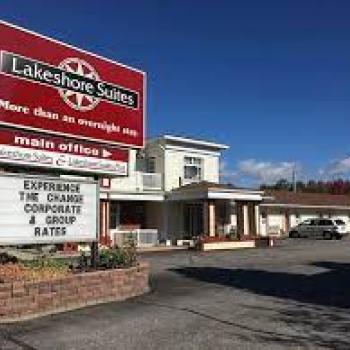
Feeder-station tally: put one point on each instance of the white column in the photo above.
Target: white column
(257, 219)
(245, 219)
(267, 222)
(211, 218)
(104, 219)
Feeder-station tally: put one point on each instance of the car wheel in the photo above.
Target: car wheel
(327, 235)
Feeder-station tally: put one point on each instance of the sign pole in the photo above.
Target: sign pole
(94, 244)
(94, 254)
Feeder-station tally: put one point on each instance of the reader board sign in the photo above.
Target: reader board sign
(38, 150)
(49, 86)
(39, 210)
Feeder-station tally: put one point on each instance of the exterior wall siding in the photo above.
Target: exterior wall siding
(127, 183)
(154, 215)
(174, 167)
(169, 161)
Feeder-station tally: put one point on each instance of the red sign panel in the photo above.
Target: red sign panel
(38, 150)
(49, 86)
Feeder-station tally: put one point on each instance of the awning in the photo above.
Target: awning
(208, 190)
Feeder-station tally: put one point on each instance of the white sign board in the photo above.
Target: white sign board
(40, 210)
(36, 150)
(32, 157)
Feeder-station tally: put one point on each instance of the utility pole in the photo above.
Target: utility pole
(294, 178)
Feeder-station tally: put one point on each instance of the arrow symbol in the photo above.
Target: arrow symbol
(105, 153)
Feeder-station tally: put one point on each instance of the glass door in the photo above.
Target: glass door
(193, 219)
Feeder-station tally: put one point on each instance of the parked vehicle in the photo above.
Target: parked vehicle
(319, 228)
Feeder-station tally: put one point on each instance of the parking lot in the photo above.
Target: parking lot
(296, 295)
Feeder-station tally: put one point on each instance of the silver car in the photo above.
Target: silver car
(319, 228)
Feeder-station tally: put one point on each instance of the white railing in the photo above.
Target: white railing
(138, 181)
(151, 181)
(274, 230)
(142, 237)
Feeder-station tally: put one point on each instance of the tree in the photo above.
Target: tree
(339, 186)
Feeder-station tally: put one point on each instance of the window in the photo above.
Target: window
(326, 222)
(339, 222)
(308, 222)
(151, 165)
(193, 168)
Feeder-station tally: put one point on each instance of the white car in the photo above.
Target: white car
(317, 228)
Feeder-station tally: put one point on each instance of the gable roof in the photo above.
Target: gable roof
(306, 199)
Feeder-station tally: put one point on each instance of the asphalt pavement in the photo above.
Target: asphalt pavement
(293, 296)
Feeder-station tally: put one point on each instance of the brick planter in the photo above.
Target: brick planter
(25, 300)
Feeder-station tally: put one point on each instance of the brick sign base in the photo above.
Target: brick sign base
(26, 300)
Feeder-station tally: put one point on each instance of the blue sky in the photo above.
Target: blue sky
(269, 78)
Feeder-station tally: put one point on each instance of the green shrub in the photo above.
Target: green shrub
(44, 262)
(117, 258)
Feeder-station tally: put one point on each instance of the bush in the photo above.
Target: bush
(35, 270)
(119, 257)
(6, 258)
(43, 262)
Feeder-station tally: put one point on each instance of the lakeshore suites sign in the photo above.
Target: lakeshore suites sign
(67, 109)
(49, 86)
(53, 88)
(38, 210)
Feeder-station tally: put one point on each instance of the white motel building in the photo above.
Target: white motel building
(173, 193)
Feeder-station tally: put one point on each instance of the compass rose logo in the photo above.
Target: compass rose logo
(76, 100)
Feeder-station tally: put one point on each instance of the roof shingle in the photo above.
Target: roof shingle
(311, 199)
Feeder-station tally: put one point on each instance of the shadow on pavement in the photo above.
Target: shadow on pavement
(315, 305)
(326, 288)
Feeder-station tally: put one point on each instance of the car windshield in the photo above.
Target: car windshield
(339, 222)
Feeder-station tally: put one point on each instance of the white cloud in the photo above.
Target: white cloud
(337, 167)
(266, 172)
(226, 174)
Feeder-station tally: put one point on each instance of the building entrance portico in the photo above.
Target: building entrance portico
(216, 210)
(223, 217)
